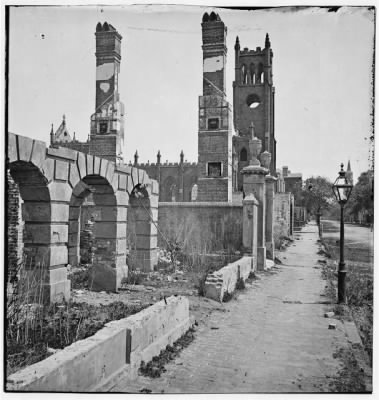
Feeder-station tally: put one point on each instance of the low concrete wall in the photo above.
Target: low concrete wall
(90, 364)
(202, 227)
(225, 279)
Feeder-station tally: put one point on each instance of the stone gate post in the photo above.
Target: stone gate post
(270, 193)
(254, 182)
(250, 228)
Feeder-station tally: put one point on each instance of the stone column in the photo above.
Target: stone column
(254, 182)
(270, 190)
(250, 228)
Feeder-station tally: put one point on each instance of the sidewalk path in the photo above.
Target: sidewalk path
(272, 338)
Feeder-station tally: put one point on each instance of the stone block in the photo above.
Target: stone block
(81, 162)
(261, 258)
(60, 191)
(155, 187)
(12, 148)
(45, 234)
(96, 165)
(154, 201)
(103, 277)
(48, 169)
(110, 172)
(146, 242)
(61, 170)
(103, 167)
(60, 291)
(142, 176)
(73, 239)
(134, 176)
(146, 229)
(46, 256)
(38, 153)
(89, 164)
(74, 176)
(123, 168)
(74, 226)
(122, 198)
(25, 146)
(129, 185)
(57, 275)
(121, 246)
(74, 213)
(62, 152)
(114, 182)
(122, 181)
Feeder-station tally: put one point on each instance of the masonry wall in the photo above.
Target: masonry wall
(283, 217)
(15, 225)
(202, 227)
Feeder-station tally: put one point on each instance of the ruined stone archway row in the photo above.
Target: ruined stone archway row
(53, 183)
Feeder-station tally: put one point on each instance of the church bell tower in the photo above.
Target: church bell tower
(107, 123)
(215, 117)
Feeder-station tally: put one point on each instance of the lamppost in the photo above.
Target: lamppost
(342, 189)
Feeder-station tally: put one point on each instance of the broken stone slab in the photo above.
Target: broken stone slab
(329, 314)
(332, 326)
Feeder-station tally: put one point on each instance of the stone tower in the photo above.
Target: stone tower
(107, 123)
(253, 102)
(215, 117)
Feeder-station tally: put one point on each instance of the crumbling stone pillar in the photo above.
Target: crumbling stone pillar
(270, 192)
(254, 182)
(250, 228)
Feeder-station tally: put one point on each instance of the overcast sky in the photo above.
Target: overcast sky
(321, 70)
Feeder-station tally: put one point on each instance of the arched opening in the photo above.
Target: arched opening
(253, 100)
(141, 231)
(244, 74)
(243, 154)
(170, 189)
(252, 73)
(260, 73)
(95, 232)
(33, 232)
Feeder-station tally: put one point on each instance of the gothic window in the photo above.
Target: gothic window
(244, 74)
(252, 73)
(260, 73)
(243, 155)
(214, 169)
(213, 123)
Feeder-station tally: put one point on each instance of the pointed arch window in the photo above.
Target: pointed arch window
(260, 73)
(244, 74)
(243, 154)
(252, 73)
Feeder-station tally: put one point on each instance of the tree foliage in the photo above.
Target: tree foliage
(317, 195)
(362, 197)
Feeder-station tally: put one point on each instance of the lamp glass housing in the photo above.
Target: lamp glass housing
(342, 188)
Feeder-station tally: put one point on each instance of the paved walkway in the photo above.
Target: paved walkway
(272, 338)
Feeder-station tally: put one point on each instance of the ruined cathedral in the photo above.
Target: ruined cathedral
(223, 134)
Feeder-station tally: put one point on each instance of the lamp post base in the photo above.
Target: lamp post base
(341, 283)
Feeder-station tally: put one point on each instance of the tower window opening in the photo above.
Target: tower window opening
(253, 100)
(103, 127)
(252, 73)
(214, 170)
(213, 123)
(243, 155)
(244, 74)
(260, 74)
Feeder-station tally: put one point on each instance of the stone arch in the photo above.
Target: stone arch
(97, 230)
(243, 154)
(45, 222)
(141, 229)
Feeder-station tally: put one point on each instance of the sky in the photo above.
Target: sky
(322, 73)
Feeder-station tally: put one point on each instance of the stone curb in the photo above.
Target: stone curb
(360, 355)
(91, 364)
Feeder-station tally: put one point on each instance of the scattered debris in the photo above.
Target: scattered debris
(329, 314)
(332, 326)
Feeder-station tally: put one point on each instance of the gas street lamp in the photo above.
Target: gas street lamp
(342, 190)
